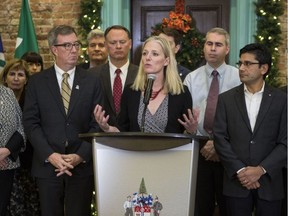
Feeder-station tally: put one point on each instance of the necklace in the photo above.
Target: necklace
(155, 93)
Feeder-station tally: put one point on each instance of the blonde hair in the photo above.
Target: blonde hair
(172, 81)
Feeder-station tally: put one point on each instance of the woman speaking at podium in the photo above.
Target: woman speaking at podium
(157, 101)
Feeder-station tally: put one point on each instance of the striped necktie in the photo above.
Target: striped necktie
(65, 91)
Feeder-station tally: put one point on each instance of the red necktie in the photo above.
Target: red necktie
(211, 103)
(117, 90)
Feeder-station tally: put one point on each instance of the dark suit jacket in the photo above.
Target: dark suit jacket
(238, 146)
(182, 71)
(48, 127)
(104, 73)
(85, 65)
(177, 106)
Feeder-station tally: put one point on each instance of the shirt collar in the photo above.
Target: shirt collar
(221, 69)
(123, 69)
(247, 91)
(61, 72)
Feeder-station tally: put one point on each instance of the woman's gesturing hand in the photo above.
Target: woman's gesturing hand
(100, 118)
(191, 121)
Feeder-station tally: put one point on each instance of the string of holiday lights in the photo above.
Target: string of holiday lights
(269, 32)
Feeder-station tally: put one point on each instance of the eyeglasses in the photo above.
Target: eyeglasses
(69, 46)
(246, 63)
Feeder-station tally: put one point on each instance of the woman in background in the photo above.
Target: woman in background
(35, 62)
(24, 196)
(15, 76)
(12, 142)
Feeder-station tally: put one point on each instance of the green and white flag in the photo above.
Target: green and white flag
(26, 39)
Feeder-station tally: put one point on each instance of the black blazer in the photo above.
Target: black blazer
(182, 71)
(238, 146)
(177, 106)
(48, 127)
(85, 65)
(103, 72)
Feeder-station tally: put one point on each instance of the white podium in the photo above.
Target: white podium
(167, 163)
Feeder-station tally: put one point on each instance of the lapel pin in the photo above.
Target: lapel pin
(77, 87)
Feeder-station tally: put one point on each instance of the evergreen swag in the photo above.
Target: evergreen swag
(269, 32)
(191, 53)
(90, 18)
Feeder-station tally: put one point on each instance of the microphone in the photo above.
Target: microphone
(147, 95)
(148, 89)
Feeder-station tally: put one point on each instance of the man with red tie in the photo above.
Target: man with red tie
(118, 72)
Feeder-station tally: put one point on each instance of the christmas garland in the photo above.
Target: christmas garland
(269, 32)
(89, 19)
(191, 53)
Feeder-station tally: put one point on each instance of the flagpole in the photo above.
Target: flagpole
(2, 57)
(26, 39)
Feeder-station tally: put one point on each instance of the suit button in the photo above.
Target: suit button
(252, 142)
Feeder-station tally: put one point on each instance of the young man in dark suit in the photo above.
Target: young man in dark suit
(58, 107)
(250, 133)
(118, 43)
(175, 39)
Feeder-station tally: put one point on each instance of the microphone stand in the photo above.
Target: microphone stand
(146, 99)
(143, 118)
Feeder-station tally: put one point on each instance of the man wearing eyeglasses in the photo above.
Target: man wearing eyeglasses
(210, 171)
(58, 106)
(250, 132)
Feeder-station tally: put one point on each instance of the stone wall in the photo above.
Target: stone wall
(47, 13)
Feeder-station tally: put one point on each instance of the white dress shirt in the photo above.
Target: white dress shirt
(123, 74)
(253, 102)
(199, 81)
(60, 72)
